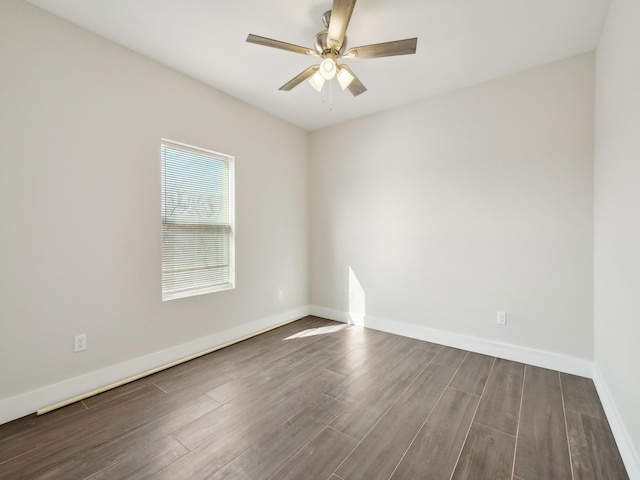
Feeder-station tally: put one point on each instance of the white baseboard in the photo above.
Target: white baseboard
(516, 353)
(629, 455)
(59, 393)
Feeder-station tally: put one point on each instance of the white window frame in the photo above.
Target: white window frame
(230, 164)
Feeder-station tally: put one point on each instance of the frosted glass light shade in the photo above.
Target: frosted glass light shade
(328, 68)
(317, 81)
(344, 78)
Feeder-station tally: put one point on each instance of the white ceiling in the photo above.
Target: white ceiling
(460, 43)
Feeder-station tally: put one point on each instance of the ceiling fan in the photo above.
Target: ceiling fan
(331, 45)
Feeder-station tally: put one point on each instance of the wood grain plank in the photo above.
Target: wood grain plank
(594, 453)
(370, 359)
(199, 464)
(542, 450)
(232, 357)
(27, 432)
(580, 395)
(218, 438)
(377, 456)
(347, 339)
(229, 434)
(473, 373)
(435, 450)
(366, 406)
(299, 362)
(487, 455)
(261, 461)
(500, 403)
(378, 379)
(271, 357)
(116, 394)
(318, 458)
(128, 451)
(245, 419)
(93, 427)
(433, 347)
(140, 470)
(218, 360)
(115, 457)
(195, 382)
(450, 357)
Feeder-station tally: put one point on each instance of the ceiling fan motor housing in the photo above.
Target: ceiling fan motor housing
(322, 46)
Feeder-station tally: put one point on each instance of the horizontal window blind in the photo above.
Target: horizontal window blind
(197, 234)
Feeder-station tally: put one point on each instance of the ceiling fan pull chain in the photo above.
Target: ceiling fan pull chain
(331, 94)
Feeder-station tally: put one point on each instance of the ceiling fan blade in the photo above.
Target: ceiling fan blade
(301, 77)
(269, 42)
(387, 49)
(340, 17)
(355, 87)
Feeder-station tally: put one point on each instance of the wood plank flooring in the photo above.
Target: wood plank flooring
(319, 400)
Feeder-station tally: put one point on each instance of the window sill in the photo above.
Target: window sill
(192, 293)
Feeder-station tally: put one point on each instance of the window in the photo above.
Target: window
(197, 221)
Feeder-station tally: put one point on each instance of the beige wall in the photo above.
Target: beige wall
(617, 224)
(451, 209)
(80, 126)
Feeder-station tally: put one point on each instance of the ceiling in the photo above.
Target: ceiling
(460, 43)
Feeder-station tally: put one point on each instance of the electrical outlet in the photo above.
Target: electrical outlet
(80, 342)
(502, 318)
(279, 295)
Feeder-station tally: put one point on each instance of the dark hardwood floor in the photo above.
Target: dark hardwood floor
(321, 400)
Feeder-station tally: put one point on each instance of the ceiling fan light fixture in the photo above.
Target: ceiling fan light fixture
(331, 45)
(317, 81)
(328, 68)
(344, 77)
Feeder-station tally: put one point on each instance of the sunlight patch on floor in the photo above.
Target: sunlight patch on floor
(309, 332)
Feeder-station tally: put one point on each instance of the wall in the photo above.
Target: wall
(617, 226)
(428, 219)
(80, 124)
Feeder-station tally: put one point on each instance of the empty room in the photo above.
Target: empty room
(319, 240)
